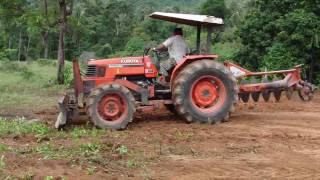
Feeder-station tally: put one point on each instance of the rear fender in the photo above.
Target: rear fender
(187, 60)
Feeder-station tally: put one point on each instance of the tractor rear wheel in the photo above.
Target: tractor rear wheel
(111, 107)
(205, 91)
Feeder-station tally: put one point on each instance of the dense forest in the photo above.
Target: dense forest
(258, 34)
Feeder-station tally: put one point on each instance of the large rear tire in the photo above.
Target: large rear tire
(111, 107)
(205, 91)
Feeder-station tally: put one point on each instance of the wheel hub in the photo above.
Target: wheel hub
(205, 93)
(111, 107)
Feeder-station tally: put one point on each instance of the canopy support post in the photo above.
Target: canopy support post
(198, 38)
(209, 39)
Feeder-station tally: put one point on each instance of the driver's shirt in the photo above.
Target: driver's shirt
(177, 47)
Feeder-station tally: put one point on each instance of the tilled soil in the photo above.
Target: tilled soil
(262, 141)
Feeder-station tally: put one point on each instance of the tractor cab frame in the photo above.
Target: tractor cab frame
(199, 21)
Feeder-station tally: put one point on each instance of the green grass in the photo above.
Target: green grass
(20, 127)
(28, 85)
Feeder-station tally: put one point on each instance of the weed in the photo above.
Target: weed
(2, 162)
(68, 74)
(47, 150)
(132, 164)
(3, 148)
(91, 170)
(27, 74)
(90, 149)
(9, 177)
(28, 176)
(183, 136)
(79, 132)
(19, 126)
(49, 178)
(123, 150)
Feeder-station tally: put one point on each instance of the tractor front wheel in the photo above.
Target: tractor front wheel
(205, 91)
(111, 107)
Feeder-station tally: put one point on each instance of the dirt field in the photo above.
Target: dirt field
(262, 141)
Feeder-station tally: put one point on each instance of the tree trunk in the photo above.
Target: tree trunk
(311, 70)
(20, 44)
(61, 57)
(45, 40)
(45, 35)
(28, 47)
(9, 42)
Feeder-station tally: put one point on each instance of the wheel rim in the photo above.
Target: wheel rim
(112, 107)
(208, 94)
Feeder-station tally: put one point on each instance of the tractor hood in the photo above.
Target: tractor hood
(122, 61)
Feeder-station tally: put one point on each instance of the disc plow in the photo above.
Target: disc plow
(273, 83)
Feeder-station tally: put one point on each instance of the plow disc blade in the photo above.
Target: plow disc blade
(277, 92)
(255, 96)
(289, 93)
(277, 95)
(266, 95)
(244, 97)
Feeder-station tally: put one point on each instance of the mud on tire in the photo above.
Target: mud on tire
(205, 91)
(111, 107)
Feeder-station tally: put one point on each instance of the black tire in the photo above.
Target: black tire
(171, 108)
(190, 75)
(115, 90)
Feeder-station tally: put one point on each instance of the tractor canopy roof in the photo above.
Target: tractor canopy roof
(188, 19)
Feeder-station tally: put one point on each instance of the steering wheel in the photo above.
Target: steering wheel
(163, 54)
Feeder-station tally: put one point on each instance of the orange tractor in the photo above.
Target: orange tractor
(200, 88)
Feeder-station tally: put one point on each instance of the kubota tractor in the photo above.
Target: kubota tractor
(200, 88)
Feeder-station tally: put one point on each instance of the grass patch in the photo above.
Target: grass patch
(4, 148)
(19, 127)
(2, 162)
(28, 85)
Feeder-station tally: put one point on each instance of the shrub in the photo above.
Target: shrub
(47, 62)
(9, 54)
(68, 74)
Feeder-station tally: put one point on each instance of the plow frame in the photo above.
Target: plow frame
(292, 78)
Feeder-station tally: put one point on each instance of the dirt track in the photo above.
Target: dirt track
(273, 140)
(262, 141)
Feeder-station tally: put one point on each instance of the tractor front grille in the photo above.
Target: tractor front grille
(91, 71)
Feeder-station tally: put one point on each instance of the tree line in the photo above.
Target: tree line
(259, 34)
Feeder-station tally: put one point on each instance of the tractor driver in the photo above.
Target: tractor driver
(177, 48)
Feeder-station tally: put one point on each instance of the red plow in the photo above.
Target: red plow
(257, 84)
